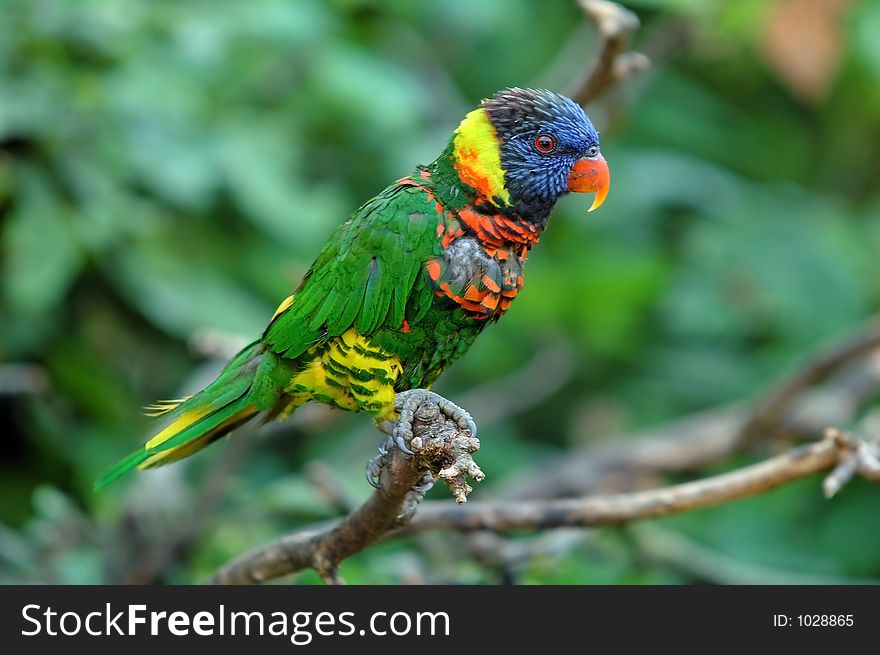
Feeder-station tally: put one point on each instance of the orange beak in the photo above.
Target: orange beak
(591, 176)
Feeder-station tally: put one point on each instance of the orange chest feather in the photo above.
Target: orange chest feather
(481, 267)
(482, 262)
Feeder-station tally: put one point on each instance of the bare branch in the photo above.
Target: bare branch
(442, 451)
(613, 63)
(862, 460)
(682, 446)
(792, 408)
(324, 546)
(612, 509)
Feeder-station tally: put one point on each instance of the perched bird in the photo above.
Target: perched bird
(406, 284)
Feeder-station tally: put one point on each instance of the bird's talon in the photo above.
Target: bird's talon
(401, 443)
(372, 471)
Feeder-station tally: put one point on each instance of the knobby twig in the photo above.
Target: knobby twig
(442, 450)
(613, 63)
(861, 459)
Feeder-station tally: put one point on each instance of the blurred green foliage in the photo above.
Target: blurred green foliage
(169, 168)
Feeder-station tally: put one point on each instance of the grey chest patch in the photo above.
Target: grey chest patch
(467, 263)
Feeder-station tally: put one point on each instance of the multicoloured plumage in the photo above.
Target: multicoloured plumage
(406, 284)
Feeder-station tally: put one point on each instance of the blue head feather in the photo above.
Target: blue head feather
(537, 179)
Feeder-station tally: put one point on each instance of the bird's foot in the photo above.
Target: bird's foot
(409, 403)
(440, 437)
(415, 496)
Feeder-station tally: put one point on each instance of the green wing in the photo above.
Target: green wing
(370, 274)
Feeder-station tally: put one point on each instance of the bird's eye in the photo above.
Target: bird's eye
(544, 143)
(592, 151)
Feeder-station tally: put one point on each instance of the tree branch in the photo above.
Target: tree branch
(838, 451)
(323, 546)
(442, 450)
(327, 544)
(616, 26)
(792, 408)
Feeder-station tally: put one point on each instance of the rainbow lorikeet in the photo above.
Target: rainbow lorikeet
(406, 284)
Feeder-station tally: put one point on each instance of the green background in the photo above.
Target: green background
(168, 170)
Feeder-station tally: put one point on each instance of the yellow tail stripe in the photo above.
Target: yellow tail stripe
(190, 447)
(177, 425)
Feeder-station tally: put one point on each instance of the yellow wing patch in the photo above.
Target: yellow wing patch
(478, 156)
(349, 373)
(283, 307)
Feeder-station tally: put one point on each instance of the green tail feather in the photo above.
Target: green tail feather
(244, 388)
(190, 439)
(121, 468)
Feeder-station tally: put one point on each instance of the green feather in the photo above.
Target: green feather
(242, 383)
(371, 275)
(121, 468)
(365, 276)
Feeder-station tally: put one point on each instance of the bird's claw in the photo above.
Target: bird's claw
(372, 472)
(441, 438)
(374, 466)
(471, 426)
(459, 416)
(415, 496)
(408, 402)
(401, 443)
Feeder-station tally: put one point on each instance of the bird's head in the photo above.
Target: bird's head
(524, 148)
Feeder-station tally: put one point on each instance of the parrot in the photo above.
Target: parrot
(406, 284)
